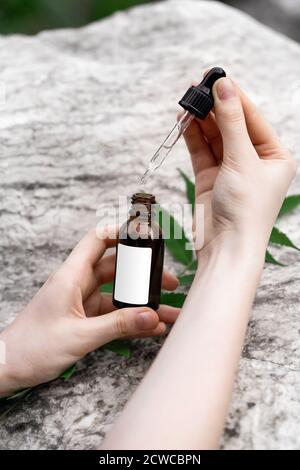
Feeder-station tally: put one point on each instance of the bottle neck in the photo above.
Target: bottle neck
(142, 206)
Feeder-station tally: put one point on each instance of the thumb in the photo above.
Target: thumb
(138, 321)
(231, 120)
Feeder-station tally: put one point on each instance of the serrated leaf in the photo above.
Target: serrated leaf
(190, 188)
(67, 374)
(279, 238)
(119, 346)
(107, 287)
(289, 204)
(186, 280)
(173, 299)
(270, 259)
(177, 246)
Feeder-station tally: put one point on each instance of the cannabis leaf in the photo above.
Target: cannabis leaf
(279, 238)
(186, 280)
(67, 374)
(173, 299)
(17, 395)
(289, 204)
(190, 188)
(119, 346)
(270, 259)
(176, 240)
(108, 288)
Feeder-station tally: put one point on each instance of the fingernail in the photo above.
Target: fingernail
(225, 89)
(145, 320)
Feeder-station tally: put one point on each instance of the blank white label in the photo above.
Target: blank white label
(133, 274)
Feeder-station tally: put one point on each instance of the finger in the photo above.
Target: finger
(105, 269)
(260, 131)
(168, 314)
(211, 131)
(158, 331)
(79, 266)
(122, 323)
(198, 148)
(98, 303)
(169, 281)
(231, 121)
(196, 140)
(93, 246)
(212, 135)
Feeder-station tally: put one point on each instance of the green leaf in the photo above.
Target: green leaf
(17, 395)
(279, 238)
(191, 267)
(194, 265)
(190, 189)
(68, 373)
(270, 259)
(107, 287)
(176, 245)
(289, 204)
(174, 300)
(119, 346)
(186, 280)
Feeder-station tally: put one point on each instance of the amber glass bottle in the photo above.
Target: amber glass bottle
(140, 256)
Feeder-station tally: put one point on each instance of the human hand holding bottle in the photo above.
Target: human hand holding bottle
(70, 317)
(242, 171)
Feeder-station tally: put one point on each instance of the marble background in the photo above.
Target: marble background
(81, 112)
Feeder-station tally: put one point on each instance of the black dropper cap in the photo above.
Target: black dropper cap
(199, 99)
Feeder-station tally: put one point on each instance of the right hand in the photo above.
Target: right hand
(242, 171)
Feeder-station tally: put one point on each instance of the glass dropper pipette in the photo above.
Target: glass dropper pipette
(197, 102)
(165, 148)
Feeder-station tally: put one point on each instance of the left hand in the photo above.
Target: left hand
(69, 317)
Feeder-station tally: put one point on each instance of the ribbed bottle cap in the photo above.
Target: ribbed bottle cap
(199, 100)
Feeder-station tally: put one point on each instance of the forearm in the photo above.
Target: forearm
(183, 400)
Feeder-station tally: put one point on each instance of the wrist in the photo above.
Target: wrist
(9, 383)
(231, 266)
(14, 375)
(227, 277)
(232, 247)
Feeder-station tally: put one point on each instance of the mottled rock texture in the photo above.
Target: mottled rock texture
(81, 111)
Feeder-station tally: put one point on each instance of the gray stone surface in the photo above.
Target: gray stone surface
(84, 109)
(281, 15)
